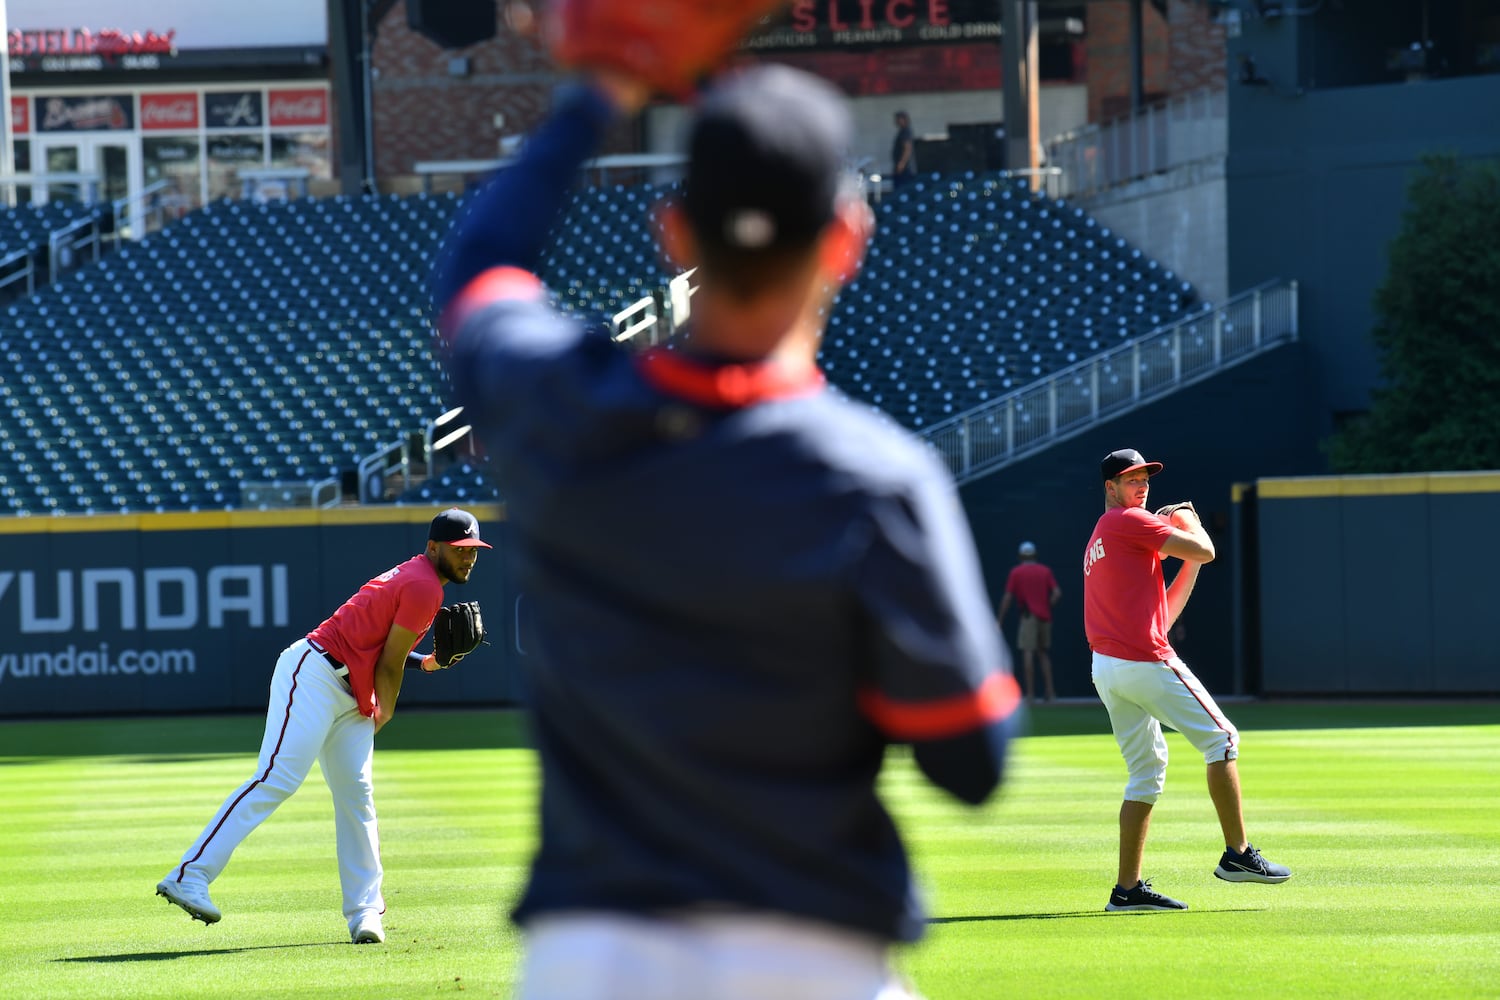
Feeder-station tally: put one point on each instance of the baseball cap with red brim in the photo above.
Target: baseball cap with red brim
(1117, 463)
(458, 528)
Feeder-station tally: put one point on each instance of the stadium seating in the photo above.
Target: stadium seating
(974, 286)
(265, 343)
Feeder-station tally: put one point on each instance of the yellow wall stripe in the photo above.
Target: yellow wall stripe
(221, 519)
(1408, 484)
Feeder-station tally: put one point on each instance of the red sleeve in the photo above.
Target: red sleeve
(1138, 526)
(417, 604)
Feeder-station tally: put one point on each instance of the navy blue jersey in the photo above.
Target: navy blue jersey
(745, 587)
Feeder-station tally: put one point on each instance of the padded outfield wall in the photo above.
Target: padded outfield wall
(187, 612)
(1375, 584)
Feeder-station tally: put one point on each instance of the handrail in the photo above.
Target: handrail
(120, 208)
(379, 463)
(61, 251)
(1074, 399)
(26, 269)
(330, 484)
(1184, 129)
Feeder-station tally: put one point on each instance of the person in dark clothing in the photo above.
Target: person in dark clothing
(745, 586)
(903, 152)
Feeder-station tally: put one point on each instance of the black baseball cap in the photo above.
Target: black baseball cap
(766, 159)
(1117, 463)
(458, 528)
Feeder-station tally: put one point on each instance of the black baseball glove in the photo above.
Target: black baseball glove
(457, 630)
(1166, 512)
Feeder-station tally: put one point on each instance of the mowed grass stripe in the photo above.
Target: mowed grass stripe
(1391, 831)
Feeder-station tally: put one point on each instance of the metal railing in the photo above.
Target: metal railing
(1071, 401)
(1186, 129)
(66, 246)
(18, 272)
(376, 468)
(133, 216)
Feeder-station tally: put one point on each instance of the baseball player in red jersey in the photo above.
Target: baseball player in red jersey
(331, 692)
(1127, 611)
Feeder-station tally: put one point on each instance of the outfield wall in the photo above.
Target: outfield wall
(188, 612)
(1376, 584)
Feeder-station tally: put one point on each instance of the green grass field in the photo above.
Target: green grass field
(1389, 814)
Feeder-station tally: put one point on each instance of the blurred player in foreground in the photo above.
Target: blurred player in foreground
(1127, 612)
(331, 692)
(745, 586)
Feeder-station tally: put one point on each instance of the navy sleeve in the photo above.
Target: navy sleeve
(506, 224)
(940, 677)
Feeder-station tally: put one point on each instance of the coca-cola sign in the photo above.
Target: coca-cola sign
(234, 109)
(20, 116)
(169, 111)
(291, 108)
(100, 113)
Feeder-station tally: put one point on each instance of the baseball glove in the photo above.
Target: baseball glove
(1167, 511)
(457, 630)
(668, 45)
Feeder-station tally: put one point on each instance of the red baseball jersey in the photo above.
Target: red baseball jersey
(1031, 584)
(1124, 592)
(408, 595)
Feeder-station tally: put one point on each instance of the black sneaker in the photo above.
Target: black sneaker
(1250, 867)
(1142, 897)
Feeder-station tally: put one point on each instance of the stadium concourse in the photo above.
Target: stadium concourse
(281, 342)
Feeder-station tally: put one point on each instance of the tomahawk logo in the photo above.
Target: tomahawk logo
(157, 599)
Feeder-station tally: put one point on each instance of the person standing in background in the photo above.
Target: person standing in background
(1034, 588)
(903, 152)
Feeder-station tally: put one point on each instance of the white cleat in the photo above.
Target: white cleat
(368, 931)
(192, 897)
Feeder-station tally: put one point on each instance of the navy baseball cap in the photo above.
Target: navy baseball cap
(1117, 463)
(457, 528)
(766, 159)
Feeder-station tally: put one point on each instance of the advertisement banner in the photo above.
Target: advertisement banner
(170, 616)
(20, 116)
(299, 108)
(850, 24)
(234, 109)
(95, 113)
(169, 111)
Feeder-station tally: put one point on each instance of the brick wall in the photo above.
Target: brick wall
(1198, 56)
(1183, 52)
(422, 111)
(1108, 49)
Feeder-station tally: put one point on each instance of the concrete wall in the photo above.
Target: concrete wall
(1316, 187)
(1178, 218)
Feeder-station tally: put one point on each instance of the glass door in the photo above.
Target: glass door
(90, 170)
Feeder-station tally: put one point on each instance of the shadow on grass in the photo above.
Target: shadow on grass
(1080, 913)
(166, 956)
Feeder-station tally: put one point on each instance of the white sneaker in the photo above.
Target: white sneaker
(192, 897)
(368, 930)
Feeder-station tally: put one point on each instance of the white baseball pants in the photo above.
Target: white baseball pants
(613, 956)
(1141, 696)
(311, 717)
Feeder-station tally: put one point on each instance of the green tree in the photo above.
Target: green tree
(1438, 330)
